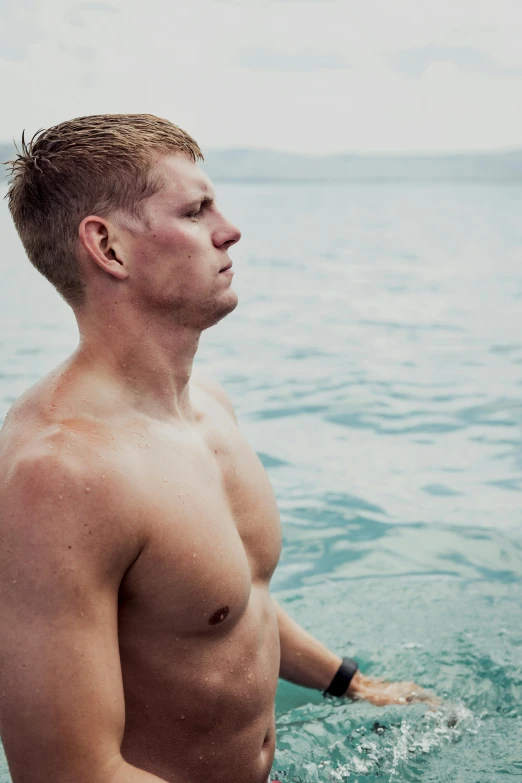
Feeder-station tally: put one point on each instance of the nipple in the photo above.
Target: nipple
(219, 616)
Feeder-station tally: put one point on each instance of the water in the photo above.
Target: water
(375, 362)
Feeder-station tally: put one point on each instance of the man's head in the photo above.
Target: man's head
(100, 199)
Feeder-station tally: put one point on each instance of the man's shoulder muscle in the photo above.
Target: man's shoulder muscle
(54, 494)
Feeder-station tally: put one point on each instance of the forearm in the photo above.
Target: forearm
(122, 772)
(307, 662)
(129, 774)
(304, 660)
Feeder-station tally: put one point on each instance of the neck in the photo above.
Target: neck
(148, 357)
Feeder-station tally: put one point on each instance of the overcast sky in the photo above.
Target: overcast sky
(304, 75)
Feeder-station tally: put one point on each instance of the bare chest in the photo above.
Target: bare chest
(212, 530)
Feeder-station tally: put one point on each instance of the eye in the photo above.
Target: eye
(195, 214)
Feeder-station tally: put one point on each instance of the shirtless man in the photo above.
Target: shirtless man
(139, 642)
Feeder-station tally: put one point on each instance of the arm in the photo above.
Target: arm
(62, 557)
(307, 662)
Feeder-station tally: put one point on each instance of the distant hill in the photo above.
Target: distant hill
(7, 152)
(271, 166)
(250, 165)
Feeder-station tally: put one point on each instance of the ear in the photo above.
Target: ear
(99, 240)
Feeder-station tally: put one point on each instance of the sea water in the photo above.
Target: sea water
(375, 362)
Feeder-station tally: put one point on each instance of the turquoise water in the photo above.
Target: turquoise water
(375, 362)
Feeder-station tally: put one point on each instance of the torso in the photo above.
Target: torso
(198, 635)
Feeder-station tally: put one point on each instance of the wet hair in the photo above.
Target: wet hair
(89, 165)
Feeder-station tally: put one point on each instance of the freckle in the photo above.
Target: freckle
(69, 547)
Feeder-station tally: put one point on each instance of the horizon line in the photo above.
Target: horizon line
(363, 153)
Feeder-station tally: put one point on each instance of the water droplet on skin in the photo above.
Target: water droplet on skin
(15, 581)
(206, 679)
(87, 489)
(193, 554)
(182, 717)
(165, 480)
(60, 497)
(103, 476)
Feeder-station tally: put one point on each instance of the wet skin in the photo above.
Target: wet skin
(192, 509)
(139, 531)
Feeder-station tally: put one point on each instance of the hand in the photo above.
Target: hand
(380, 692)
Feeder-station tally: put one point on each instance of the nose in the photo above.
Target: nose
(226, 235)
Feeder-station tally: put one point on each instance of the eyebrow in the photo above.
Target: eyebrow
(203, 201)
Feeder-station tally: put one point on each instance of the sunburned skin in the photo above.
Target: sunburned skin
(197, 628)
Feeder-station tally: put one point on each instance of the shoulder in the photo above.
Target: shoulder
(56, 497)
(214, 389)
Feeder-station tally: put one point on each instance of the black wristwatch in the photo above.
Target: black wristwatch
(342, 679)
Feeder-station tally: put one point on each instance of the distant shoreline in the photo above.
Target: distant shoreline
(271, 166)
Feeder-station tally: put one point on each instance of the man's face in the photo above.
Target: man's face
(178, 255)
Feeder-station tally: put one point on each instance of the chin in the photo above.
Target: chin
(222, 308)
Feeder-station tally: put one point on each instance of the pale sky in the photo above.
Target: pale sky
(300, 75)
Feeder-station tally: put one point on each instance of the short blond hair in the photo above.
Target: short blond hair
(89, 165)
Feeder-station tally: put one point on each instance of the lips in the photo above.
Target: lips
(228, 266)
